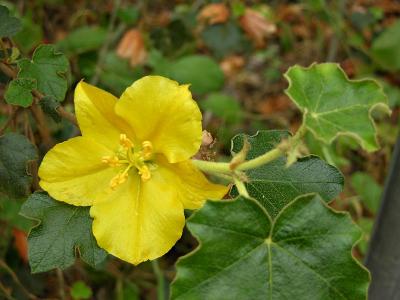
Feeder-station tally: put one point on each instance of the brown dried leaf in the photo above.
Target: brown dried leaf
(232, 64)
(21, 243)
(214, 13)
(132, 47)
(256, 26)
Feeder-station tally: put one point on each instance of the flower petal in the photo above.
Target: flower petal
(72, 171)
(139, 220)
(163, 112)
(194, 188)
(94, 110)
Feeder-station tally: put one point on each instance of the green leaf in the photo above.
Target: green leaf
(385, 48)
(368, 189)
(229, 33)
(49, 105)
(62, 232)
(15, 153)
(274, 185)
(333, 105)
(202, 72)
(9, 25)
(223, 106)
(80, 290)
(49, 68)
(19, 92)
(82, 40)
(304, 254)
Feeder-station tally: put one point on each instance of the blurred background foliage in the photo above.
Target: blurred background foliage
(233, 53)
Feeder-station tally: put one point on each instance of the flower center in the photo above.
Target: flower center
(131, 156)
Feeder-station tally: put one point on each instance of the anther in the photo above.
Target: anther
(112, 161)
(117, 180)
(147, 149)
(144, 173)
(124, 141)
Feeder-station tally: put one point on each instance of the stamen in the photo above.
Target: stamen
(147, 150)
(112, 161)
(125, 142)
(120, 178)
(144, 173)
(117, 180)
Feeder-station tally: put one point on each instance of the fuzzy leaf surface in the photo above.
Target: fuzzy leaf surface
(305, 253)
(19, 92)
(62, 232)
(49, 68)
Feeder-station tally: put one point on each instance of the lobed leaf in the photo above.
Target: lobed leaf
(333, 105)
(274, 185)
(15, 153)
(63, 231)
(19, 92)
(305, 253)
(49, 68)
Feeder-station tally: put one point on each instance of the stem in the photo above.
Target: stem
(5, 292)
(41, 125)
(160, 280)
(241, 187)
(60, 278)
(261, 160)
(10, 72)
(16, 280)
(10, 119)
(212, 167)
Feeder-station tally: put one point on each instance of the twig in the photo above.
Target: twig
(61, 288)
(9, 121)
(5, 292)
(60, 110)
(10, 72)
(16, 280)
(41, 125)
(104, 48)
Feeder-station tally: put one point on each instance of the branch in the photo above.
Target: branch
(10, 119)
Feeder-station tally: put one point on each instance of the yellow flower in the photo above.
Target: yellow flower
(132, 166)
